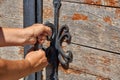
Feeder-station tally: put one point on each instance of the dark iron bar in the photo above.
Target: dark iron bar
(57, 5)
(38, 19)
(29, 19)
(33, 13)
(39, 11)
(52, 68)
(55, 51)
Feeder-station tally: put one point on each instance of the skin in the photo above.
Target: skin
(34, 60)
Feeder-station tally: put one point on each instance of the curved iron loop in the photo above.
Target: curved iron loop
(65, 37)
(64, 57)
(50, 38)
(63, 34)
(70, 56)
(63, 28)
(60, 41)
(65, 61)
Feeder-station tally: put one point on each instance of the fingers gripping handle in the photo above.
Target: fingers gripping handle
(49, 50)
(50, 38)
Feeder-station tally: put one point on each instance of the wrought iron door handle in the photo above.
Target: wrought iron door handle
(50, 38)
(55, 53)
(63, 34)
(64, 57)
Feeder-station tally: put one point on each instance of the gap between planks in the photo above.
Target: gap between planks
(90, 4)
(95, 48)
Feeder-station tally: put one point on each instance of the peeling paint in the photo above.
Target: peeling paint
(106, 60)
(107, 19)
(47, 12)
(93, 1)
(21, 51)
(101, 78)
(91, 60)
(106, 2)
(117, 12)
(65, 18)
(75, 70)
(111, 2)
(78, 16)
(116, 38)
(70, 71)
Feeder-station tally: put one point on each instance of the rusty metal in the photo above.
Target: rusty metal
(55, 54)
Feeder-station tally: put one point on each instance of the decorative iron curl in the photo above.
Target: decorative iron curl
(63, 34)
(64, 57)
(52, 26)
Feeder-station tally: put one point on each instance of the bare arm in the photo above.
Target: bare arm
(16, 69)
(20, 36)
(13, 70)
(12, 36)
(34, 61)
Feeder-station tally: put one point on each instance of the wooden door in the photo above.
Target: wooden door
(95, 29)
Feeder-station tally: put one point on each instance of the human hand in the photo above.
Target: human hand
(37, 60)
(37, 32)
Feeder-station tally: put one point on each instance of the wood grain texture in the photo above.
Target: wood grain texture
(107, 3)
(94, 26)
(95, 37)
(11, 53)
(81, 76)
(11, 13)
(64, 76)
(95, 62)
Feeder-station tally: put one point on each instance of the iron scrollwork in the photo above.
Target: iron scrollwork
(64, 57)
(62, 34)
(55, 53)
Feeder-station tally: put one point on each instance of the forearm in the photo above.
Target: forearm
(13, 70)
(14, 36)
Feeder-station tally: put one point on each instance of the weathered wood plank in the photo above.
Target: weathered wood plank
(89, 24)
(81, 76)
(11, 13)
(107, 3)
(92, 26)
(11, 53)
(95, 62)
